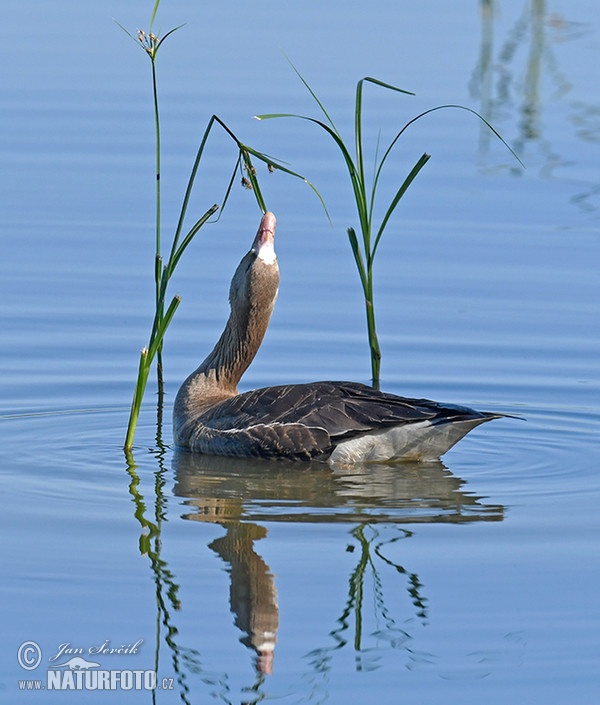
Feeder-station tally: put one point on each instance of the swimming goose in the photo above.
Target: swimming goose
(337, 422)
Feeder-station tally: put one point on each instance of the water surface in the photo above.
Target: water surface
(470, 579)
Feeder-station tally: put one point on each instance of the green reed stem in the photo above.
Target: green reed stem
(164, 271)
(157, 158)
(364, 249)
(158, 254)
(365, 194)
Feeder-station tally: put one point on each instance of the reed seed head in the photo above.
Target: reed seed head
(149, 42)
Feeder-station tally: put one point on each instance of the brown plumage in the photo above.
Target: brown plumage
(341, 422)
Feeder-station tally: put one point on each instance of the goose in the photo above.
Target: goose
(340, 423)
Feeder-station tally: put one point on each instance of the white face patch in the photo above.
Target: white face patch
(266, 252)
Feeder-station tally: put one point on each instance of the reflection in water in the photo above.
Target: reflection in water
(511, 79)
(229, 489)
(372, 547)
(166, 589)
(236, 494)
(252, 595)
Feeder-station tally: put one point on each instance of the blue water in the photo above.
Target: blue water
(473, 579)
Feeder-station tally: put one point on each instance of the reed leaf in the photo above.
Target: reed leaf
(251, 173)
(154, 11)
(190, 236)
(365, 248)
(314, 95)
(168, 34)
(162, 329)
(358, 258)
(401, 191)
(179, 244)
(138, 395)
(358, 140)
(352, 171)
(383, 84)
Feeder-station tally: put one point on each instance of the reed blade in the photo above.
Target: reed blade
(399, 193)
(190, 236)
(358, 258)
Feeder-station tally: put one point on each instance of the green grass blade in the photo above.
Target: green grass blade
(352, 171)
(229, 188)
(468, 110)
(251, 173)
(401, 191)
(278, 165)
(446, 107)
(374, 177)
(271, 116)
(359, 143)
(377, 82)
(127, 32)
(154, 11)
(358, 258)
(158, 268)
(190, 185)
(160, 333)
(358, 115)
(189, 237)
(314, 95)
(138, 395)
(360, 167)
(162, 39)
(159, 312)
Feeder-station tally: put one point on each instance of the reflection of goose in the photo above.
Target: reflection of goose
(239, 494)
(342, 422)
(223, 490)
(252, 595)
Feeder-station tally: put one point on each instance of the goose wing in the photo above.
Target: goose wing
(309, 420)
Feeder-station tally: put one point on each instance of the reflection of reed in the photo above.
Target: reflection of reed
(238, 493)
(166, 590)
(530, 25)
(354, 613)
(503, 86)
